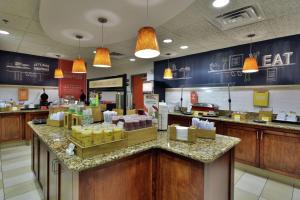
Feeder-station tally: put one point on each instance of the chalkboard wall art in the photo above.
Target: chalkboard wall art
(279, 61)
(24, 69)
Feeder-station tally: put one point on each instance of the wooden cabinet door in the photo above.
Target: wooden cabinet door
(179, 178)
(67, 183)
(181, 120)
(30, 117)
(11, 127)
(54, 178)
(280, 152)
(247, 151)
(43, 169)
(35, 155)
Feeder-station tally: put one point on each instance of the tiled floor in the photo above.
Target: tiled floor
(17, 181)
(252, 187)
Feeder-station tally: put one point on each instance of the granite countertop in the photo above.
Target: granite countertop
(24, 111)
(204, 150)
(287, 126)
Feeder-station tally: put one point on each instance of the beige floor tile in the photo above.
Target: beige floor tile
(251, 183)
(20, 189)
(277, 191)
(16, 159)
(1, 194)
(237, 175)
(296, 194)
(16, 172)
(243, 195)
(32, 195)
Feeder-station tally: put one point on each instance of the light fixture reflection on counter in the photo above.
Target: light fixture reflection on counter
(146, 44)
(250, 63)
(102, 56)
(79, 63)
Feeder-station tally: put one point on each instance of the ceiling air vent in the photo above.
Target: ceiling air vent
(116, 55)
(240, 17)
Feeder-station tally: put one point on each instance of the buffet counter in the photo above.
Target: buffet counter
(13, 124)
(151, 169)
(287, 126)
(271, 146)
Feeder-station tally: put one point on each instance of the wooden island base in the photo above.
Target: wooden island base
(151, 175)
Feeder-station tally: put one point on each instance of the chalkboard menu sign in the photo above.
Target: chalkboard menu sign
(278, 60)
(24, 69)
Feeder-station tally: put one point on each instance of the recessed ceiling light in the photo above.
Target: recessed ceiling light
(94, 51)
(168, 40)
(4, 32)
(184, 47)
(220, 3)
(132, 59)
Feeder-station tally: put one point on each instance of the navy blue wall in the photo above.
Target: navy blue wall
(279, 61)
(24, 69)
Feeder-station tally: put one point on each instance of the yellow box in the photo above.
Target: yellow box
(240, 116)
(108, 136)
(76, 119)
(265, 116)
(261, 98)
(98, 137)
(118, 134)
(68, 120)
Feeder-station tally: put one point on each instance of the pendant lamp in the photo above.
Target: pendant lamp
(146, 44)
(250, 64)
(58, 73)
(79, 63)
(102, 56)
(168, 74)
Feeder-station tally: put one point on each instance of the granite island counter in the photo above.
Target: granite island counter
(160, 169)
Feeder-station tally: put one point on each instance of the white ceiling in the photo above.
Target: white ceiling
(190, 27)
(124, 18)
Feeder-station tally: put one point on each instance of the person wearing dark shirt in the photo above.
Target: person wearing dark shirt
(44, 98)
(82, 96)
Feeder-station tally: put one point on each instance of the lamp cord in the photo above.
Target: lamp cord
(147, 12)
(78, 47)
(102, 33)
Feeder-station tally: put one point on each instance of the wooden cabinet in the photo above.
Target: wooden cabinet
(11, 127)
(30, 117)
(247, 151)
(280, 152)
(179, 178)
(43, 168)
(179, 119)
(35, 156)
(54, 178)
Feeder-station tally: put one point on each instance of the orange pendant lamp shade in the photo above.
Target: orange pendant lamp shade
(250, 65)
(102, 58)
(146, 44)
(79, 66)
(168, 73)
(58, 73)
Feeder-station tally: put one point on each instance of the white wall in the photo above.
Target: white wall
(281, 98)
(11, 92)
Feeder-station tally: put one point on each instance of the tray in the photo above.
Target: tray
(286, 122)
(57, 123)
(86, 152)
(141, 135)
